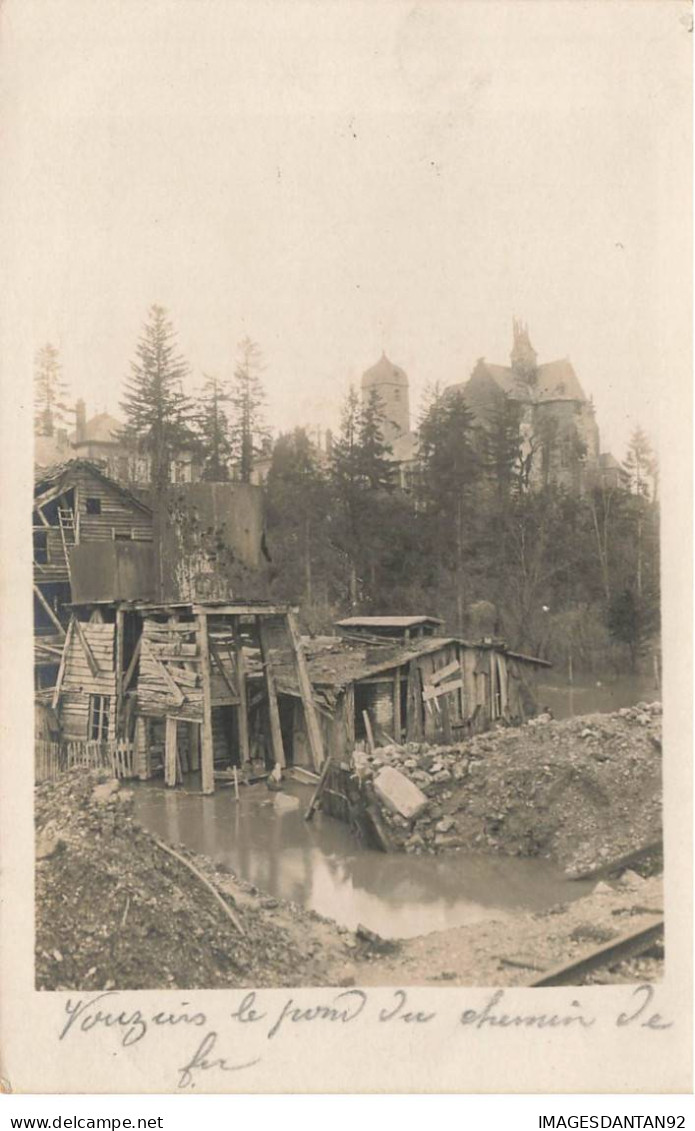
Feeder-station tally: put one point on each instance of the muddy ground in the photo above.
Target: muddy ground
(114, 910)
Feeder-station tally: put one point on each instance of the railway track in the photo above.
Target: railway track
(607, 955)
(651, 854)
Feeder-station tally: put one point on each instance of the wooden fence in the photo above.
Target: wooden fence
(56, 758)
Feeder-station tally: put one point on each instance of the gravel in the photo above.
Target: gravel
(114, 911)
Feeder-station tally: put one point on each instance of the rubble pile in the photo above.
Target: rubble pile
(582, 791)
(114, 910)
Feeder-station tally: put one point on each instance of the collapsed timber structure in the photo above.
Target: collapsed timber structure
(159, 639)
(192, 686)
(437, 689)
(211, 687)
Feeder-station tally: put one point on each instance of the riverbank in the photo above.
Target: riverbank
(114, 909)
(579, 791)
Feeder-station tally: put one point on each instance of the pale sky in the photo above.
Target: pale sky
(339, 178)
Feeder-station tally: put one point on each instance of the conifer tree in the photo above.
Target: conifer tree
(640, 464)
(157, 411)
(450, 475)
(50, 392)
(213, 431)
(299, 522)
(248, 433)
(361, 478)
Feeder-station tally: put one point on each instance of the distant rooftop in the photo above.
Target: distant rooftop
(386, 622)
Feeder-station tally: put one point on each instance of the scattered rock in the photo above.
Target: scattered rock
(103, 793)
(445, 825)
(399, 794)
(603, 889)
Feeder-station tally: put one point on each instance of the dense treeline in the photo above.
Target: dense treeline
(554, 574)
(471, 534)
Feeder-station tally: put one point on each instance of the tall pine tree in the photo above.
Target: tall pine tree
(50, 392)
(157, 411)
(361, 479)
(213, 431)
(449, 478)
(248, 433)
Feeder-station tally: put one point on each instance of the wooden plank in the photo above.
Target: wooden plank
(241, 609)
(243, 708)
(397, 705)
(206, 740)
(93, 665)
(349, 716)
(131, 666)
(319, 789)
(177, 656)
(446, 721)
(194, 746)
(180, 675)
(175, 690)
(307, 694)
(412, 705)
(214, 653)
(119, 669)
(61, 669)
(273, 712)
(368, 729)
(48, 610)
(433, 693)
(443, 673)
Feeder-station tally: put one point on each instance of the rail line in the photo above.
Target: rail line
(655, 849)
(607, 955)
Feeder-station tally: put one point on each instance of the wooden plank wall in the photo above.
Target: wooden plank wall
(79, 682)
(169, 649)
(117, 512)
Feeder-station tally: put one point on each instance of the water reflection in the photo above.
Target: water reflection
(568, 699)
(319, 865)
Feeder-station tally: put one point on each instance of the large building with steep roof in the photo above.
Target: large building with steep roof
(561, 436)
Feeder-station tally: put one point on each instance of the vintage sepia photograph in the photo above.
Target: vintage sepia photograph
(353, 352)
(362, 690)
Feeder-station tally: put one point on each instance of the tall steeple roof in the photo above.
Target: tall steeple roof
(523, 356)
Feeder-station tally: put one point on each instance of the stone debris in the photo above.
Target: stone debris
(582, 791)
(112, 909)
(398, 794)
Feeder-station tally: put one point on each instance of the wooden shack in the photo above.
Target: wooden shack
(76, 505)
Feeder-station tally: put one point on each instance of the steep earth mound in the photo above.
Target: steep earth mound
(113, 909)
(582, 791)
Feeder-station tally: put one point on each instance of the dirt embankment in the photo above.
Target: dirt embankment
(115, 910)
(581, 791)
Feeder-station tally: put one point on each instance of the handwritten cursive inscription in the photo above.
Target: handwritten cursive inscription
(201, 1061)
(490, 1015)
(263, 1021)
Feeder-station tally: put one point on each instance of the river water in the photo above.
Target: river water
(318, 864)
(601, 695)
(264, 839)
